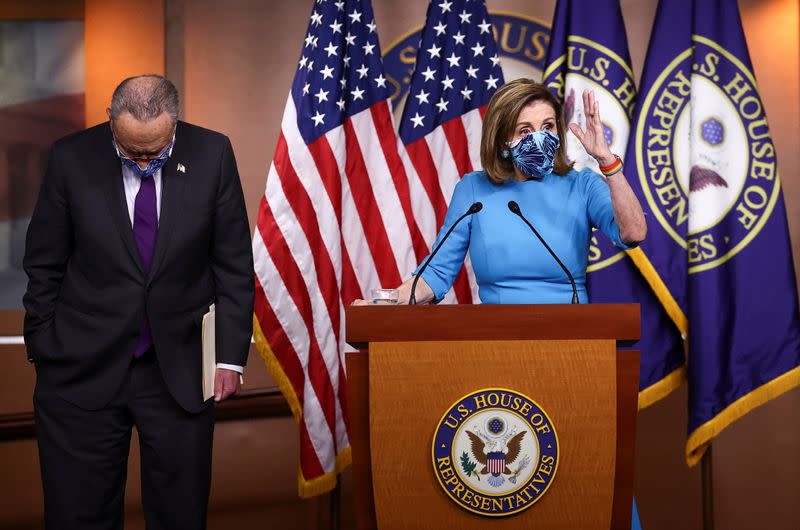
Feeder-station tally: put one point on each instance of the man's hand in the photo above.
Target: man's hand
(226, 383)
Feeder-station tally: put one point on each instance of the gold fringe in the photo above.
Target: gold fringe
(701, 438)
(661, 291)
(305, 488)
(277, 372)
(324, 483)
(662, 388)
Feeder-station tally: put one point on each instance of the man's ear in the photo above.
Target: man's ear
(108, 112)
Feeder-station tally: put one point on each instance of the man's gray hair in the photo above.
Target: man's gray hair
(146, 97)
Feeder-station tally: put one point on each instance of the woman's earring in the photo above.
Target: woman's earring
(505, 153)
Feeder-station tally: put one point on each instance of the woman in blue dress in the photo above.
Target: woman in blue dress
(524, 161)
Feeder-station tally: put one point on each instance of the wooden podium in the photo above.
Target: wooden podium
(416, 361)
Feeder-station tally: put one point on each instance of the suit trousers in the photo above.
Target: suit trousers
(84, 455)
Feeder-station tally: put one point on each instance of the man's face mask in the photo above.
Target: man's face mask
(153, 165)
(533, 154)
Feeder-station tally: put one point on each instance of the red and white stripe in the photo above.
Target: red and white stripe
(435, 164)
(329, 230)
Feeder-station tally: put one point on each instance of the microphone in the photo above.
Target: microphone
(514, 207)
(475, 208)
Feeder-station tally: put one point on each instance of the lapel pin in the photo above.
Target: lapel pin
(181, 168)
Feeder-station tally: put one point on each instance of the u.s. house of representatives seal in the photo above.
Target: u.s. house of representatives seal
(495, 452)
(714, 192)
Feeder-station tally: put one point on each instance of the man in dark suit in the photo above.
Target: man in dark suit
(140, 225)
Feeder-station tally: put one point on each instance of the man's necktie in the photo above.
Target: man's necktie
(145, 228)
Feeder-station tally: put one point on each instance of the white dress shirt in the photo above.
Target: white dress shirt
(132, 182)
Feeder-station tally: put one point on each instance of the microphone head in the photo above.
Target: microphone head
(514, 207)
(476, 207)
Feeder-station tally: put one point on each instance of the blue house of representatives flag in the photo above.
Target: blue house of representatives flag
(706, 173)
(589, 50)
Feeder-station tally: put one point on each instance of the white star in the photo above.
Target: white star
(422, 97)
(303, 61)
(442, 105)
(459, 38)
(309, 40)
(343, 82)
(380, 81)
(445, 6)
(464, 16)
(441, 28)
(336, 27)
(362, 72)
(346, 61)
(428, 74)
(355, 16)
(318, 118)
(417, 119)
(491, 82)
(495, 60)
(477, 49)
(339, 6)
(310, 66)
(472, 71)
(357, 94)
(453, 60)
(316, 18)
(321, 96)
(434, 51)
(340, 104)
(467, 93)
(368, 48)
(305, 88)
(371, 26)
(331, 49)
(327, 72)
(485, 26)
(350, 39)
(447, 82)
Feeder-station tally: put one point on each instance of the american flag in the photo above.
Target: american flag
(335, 222)
(456, 73)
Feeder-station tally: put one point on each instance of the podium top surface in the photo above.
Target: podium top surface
(387, 323)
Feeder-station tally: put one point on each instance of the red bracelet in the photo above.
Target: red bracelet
(612, 168)
(612, 165)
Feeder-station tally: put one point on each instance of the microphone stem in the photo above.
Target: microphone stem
(555, 256)
(412, 300)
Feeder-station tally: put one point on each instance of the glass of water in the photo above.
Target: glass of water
(385, 296)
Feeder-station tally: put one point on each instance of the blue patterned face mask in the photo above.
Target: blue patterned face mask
(152, 166)
(533, 154)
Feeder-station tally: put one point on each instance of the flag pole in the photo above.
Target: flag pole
(335, 500)
(706, 464)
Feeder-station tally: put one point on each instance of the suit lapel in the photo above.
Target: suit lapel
(111, 174)
(172, 184)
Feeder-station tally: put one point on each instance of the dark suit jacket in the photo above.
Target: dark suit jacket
(87, 293)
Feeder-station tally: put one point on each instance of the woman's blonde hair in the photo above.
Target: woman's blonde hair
(501, 119)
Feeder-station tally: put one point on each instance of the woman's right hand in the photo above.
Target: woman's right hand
(359, 301)
(424, 293)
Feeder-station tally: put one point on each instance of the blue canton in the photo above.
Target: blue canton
(457, 67)
(340, 72)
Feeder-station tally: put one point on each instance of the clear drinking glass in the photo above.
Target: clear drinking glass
(385, 296)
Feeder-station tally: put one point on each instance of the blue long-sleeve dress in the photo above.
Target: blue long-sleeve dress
(511, 265)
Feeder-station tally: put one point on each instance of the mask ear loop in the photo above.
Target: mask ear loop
(506, 153)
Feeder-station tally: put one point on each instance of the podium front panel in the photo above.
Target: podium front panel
(411, 385)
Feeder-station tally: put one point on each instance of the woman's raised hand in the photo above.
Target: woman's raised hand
(593, 139)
